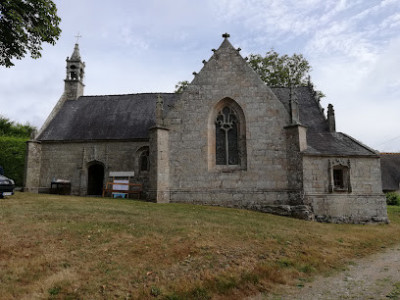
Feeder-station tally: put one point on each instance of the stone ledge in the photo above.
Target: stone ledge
(303, 212)
(351, 220)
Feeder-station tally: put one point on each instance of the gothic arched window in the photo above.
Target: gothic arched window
(226, 142)
(144, 162)
(226, 137)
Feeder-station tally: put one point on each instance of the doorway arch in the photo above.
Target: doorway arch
(95, 179)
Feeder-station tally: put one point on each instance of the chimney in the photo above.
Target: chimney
(331, 119)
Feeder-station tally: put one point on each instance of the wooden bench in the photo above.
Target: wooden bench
(132, 189)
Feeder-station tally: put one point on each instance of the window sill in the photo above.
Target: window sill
(227, 168)
(341, 190)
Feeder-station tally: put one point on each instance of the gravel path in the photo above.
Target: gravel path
(373, 277)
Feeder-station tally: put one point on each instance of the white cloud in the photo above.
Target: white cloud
(366, 95)
(273, 17)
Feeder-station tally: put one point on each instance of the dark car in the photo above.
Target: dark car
(6, 186)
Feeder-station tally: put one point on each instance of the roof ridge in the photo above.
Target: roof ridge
(130, 94)
(286, 87)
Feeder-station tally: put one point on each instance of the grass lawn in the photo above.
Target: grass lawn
(65, 247)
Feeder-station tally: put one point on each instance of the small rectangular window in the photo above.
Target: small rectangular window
(338, 179)
(339, 176)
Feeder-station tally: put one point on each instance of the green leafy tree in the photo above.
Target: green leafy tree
(13, 137)
(281, 70)
(12, 129)
(181, 86)
(12, 157)
(24, 25)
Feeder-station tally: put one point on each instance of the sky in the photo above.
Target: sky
(150, 45)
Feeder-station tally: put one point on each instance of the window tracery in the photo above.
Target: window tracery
(226, 137)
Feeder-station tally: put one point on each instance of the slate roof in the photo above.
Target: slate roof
(309, 110)
(319, 140)
(335, 143)
(390, 167)
(115, 117)
(126, 117)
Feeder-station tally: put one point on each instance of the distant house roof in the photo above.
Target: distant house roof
(115, 117)
(390, 167)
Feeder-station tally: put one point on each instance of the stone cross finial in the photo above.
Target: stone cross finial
(78, 36)
(225, 35)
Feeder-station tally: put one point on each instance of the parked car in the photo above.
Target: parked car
(6, 186)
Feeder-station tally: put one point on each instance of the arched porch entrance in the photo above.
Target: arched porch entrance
(95, 179)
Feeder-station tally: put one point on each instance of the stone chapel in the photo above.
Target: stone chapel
(227, 140)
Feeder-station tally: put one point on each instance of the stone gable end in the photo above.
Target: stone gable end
(227, 79)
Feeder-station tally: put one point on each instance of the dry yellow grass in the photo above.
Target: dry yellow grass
(64, 247)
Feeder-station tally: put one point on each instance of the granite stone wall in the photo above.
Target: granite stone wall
(363, 202)
(70, 161)
(32, 166)
(159, 190)
(261, 176)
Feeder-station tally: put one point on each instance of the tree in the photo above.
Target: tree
(13, 137)
(281, 71)
(12, 129)
(24, 25)
(181, 86)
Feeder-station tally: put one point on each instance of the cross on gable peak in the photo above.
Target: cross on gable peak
(78, 36)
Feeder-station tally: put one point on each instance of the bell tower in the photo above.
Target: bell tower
(73, 87)
(75, 73)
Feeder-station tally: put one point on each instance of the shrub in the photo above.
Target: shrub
(12, 157)
(393, 198)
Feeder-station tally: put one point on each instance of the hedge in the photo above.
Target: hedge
(12, 157)
(393, 198)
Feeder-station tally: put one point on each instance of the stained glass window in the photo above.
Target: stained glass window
(226, 135)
